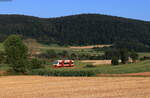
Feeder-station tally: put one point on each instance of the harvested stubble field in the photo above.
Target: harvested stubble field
(97, 62)
(89, 47)
(74, 87)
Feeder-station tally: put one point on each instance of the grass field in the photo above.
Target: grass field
(138, 67)
(74, 87)
(142, 66)
(142, 54)
(98, 70)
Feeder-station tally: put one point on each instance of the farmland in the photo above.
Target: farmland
(74, 87)
(90, 78)
(101, 66)
(76, 56)
(82, 70)
(75, 49)
(72, 49)
(79, 49)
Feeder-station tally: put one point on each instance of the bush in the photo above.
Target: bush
(114, 61)
(89, 66)
(48, 54)
(134, 56)
(2, 57)
(36, 64)
(64, 72)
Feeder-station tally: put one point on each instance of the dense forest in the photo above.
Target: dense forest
(83, 29)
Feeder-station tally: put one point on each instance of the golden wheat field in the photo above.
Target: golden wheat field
(74, 87)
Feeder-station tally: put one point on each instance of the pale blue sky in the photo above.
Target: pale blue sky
(138, 9)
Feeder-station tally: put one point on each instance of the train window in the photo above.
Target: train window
(66, 63)
(55, 62)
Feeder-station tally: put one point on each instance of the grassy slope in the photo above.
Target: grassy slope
(142, 54)
(143, 66)
(80, 70)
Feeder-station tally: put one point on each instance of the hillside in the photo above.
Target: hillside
(83, 29)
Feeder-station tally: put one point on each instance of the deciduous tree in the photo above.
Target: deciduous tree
(16, 52)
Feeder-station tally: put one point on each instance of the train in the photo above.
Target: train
(63, 63)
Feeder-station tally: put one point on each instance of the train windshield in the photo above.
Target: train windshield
(56, 62)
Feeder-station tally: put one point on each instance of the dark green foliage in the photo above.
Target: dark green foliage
(134, 55)
(76, 30)
(36, 64)
(90, 66)
(74, 56)
(115, 61)
(124, 55)
(64, 54)
(109, 53)
(2, 57)
(132, 46)
(16, 52)
(20, 66)
(64, 72)
(49, 54)
(52, 54)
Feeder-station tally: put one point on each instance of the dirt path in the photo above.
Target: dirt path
(74, 87)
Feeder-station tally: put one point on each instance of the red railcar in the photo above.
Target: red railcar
(64, 63)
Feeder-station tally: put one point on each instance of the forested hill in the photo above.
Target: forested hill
(80, 29)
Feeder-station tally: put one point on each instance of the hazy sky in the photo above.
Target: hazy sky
(138, 9)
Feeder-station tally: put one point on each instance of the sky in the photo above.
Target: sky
(137, 9)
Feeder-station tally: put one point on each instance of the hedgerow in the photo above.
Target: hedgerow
(64, 72)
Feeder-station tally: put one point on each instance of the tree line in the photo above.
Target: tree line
(83, 29)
